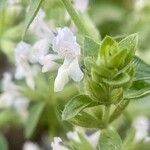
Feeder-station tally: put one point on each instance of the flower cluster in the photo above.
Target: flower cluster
(66, 48)
(11, 97)
(141, 125)
(92, 141)
(40, 28)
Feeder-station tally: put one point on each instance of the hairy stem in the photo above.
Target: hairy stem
(75, 17)
(106, 115)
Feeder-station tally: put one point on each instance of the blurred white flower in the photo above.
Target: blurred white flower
(11, 96)
(39, 50)
(56, 144)
(40, 28)
(24, 69)
(7, 83)
(73, 136)
(81, 5)
(141, 125)
(30, 146)
(65, 47)
(139, 4)
(92, 139)
(13, 2)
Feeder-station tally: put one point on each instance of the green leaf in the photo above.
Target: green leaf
(142, 70)
(129, 42)
(90, 47)
(95, 90)
(101, 70)
(116, 95)
(85, 120)
(33, 119)
(3, 143)
(89, 118)
(33, 10)
(110, 140)
(118, 81)
(118, 110)
(139, 94)
(106, 44)
(141, 83)
(89, 62)
(75, 106)
(84, 144)
(118, 58)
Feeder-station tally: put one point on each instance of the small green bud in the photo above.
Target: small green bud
(95, 90)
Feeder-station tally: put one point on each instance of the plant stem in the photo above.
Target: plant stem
(75, 17)
(106, 115)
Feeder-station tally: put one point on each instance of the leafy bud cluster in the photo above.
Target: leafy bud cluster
(109, 73)
(112, 72)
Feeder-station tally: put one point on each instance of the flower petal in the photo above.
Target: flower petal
(30, 81)
(48, 63)
(22, 52)
(74, 71)
(81, 5)
(49, 66)
(65, 43)
(56, 144)
(61, 79)
(19, 74)
(40, 49)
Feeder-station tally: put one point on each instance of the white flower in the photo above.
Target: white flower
(141, 125)
(81, 5)
(13, 2)
(48, 62)
(139, 4)
(92, 139)
(65, 47)
(73, 136)
(40, 28)
(24, 70)
(7, 83)
(56, 144)
(39, 50)
(30, 146)
(11, 96)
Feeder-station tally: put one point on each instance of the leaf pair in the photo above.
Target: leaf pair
(77, 112)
